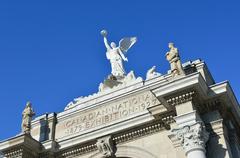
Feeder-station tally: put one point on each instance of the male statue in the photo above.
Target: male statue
(116, 54)
(27, 115)
(174, 60)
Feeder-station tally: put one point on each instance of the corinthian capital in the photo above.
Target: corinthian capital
(192, 137)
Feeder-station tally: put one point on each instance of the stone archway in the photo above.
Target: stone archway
(133, 152)
(129, 152)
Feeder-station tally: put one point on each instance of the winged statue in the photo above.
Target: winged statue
(116, 54)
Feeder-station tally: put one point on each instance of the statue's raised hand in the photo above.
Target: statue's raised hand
(104, 33)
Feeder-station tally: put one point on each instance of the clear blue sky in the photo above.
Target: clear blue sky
(52, 52)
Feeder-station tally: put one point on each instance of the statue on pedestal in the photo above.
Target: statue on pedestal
(27, 115)
(174, 60)
(116, 55)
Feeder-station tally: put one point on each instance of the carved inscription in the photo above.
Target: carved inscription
(108, 113)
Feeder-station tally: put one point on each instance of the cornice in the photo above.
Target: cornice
(193, 81)
(162, 87)
(140, 132)
(181, 98)
(17, 152)
(78, 150)
(24, 140)
(21, 145)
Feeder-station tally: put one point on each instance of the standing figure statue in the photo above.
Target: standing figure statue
(27, 115)
(174, 60)
(116, 55)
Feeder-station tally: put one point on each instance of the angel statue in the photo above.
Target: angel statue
(27, 115)
(116, 55)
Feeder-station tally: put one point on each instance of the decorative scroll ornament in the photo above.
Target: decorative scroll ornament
(192, 137)
(106, 147)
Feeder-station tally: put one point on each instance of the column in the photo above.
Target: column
(192, 138)
(189, 131)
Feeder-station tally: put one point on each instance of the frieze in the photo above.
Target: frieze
(119, 138)
(106, 114)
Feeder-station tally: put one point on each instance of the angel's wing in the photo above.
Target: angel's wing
(127, 43)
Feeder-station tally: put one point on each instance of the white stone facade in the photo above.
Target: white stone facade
(187, 116)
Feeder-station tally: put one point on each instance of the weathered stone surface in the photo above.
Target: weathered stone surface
(104, 115)
(138, 119)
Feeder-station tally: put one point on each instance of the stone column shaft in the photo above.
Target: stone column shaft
(196, 154)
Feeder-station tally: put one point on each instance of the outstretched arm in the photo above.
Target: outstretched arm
(106, 43)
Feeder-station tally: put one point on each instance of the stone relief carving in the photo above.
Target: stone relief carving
(27, 115)
(192, 137)
(151, 73)
(105, 87)
(174, 59)
(106, 147)
(113, 82)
